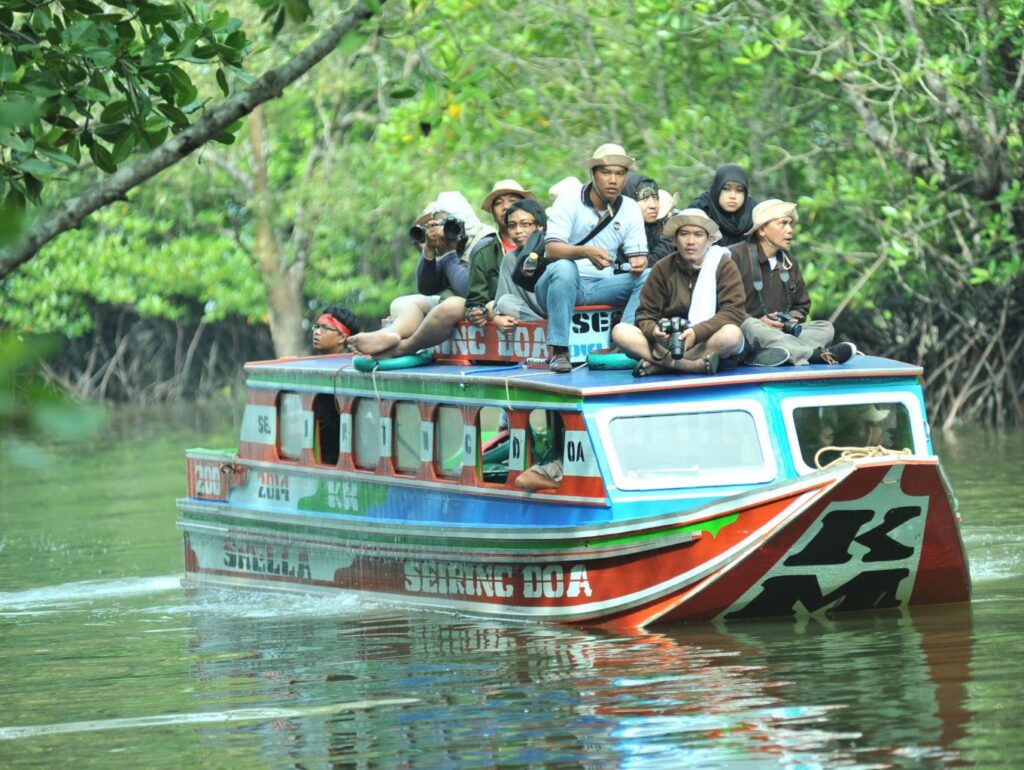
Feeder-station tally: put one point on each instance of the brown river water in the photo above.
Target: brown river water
(106, 662)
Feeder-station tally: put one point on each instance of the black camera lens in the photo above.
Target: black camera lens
(453, 229)
(418, 233)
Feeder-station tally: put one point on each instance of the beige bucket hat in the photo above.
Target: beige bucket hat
(692, 217)
(504, 187)
(610, 155)
(771, 209)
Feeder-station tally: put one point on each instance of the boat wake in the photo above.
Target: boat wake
(60, 597)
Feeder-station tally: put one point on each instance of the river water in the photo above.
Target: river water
(106, 662)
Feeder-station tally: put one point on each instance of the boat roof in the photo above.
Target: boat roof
(336, 372)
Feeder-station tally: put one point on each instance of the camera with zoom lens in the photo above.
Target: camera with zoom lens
(674, 328)
(453, 228)
(790, 325)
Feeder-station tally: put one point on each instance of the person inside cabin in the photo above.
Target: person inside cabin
(692, 302)
(333, 328)
(547, 472)
(777, 302)
(513, 303)
(727, 201)
(446, 234)
(866, 426)
(650, 198)
(816, 430)
(584, 234)
(485, 264)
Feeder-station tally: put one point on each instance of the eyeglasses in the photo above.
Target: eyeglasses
(522, 225)
(324, 328)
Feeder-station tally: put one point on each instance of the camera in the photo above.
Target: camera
(621, 267)
(789, 324)
(674, 327)
(453, 228)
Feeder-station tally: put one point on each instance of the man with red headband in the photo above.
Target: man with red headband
(333, 328)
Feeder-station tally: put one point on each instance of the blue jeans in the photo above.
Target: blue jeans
(561, 289)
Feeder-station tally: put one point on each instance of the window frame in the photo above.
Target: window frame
(304, 438)
(918, 424)
(767, 472)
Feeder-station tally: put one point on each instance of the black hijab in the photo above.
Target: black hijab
(735, 225)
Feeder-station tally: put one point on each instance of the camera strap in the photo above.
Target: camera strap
(613, 208)
(755, 272)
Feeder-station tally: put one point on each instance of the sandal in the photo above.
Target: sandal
(645, 368)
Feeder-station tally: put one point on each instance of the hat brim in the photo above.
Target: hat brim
(788, 213)
(706, 224)
(611, 160)
(489, 200)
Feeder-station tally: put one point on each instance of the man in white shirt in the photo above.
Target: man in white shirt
(584, 234)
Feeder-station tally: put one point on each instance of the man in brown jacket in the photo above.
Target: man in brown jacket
(699, 292)
(777, 302)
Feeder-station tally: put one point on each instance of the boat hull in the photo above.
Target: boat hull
(869, 535)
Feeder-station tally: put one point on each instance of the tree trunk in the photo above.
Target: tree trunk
(283, 278)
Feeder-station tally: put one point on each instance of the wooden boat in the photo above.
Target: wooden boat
(684, 498)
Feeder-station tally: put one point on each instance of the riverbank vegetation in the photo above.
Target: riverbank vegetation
(896, 125)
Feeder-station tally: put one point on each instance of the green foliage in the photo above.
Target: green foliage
(31, 411)
(80, 79)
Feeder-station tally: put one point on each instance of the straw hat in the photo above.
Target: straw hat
(610, 155)
(872, 413)
(503, 187)
(769, 210)
(692, 217)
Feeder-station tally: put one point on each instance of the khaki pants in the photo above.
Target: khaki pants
(759, 335)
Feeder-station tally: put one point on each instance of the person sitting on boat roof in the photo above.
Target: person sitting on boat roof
(777, 302)
(583, 237)
(691, 307)
(728, 203)
(655, 205)
(485, 263)
(513, 303)
(446, 234)
(333, 328)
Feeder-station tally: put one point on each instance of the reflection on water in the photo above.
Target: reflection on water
(106, 662)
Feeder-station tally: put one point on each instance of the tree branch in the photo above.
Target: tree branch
(72, 212)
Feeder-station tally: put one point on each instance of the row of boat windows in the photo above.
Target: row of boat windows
(407, 440)
(664, 447)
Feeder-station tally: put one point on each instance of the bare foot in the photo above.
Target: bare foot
(374, 343)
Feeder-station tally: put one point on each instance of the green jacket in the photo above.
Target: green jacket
(484, 266)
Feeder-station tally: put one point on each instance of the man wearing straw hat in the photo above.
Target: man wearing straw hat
(777, 330)
(699, 292)
(585, 232)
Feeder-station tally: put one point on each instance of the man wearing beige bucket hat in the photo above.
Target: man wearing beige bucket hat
(585, 233)
(777, 330)
(485, 261)
(691, 306)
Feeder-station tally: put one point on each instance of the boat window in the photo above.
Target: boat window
(407, 437)
(291, 424)
(366, 432)
(824, 432)
(493, 438)
(450, 444)
(713, 444)
(328, 424)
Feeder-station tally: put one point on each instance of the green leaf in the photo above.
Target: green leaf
(102, 158)
(7, 67)
(58, 156)
(222, 81)
(115, 111)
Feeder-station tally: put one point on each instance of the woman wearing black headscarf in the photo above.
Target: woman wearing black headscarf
(728, 203)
